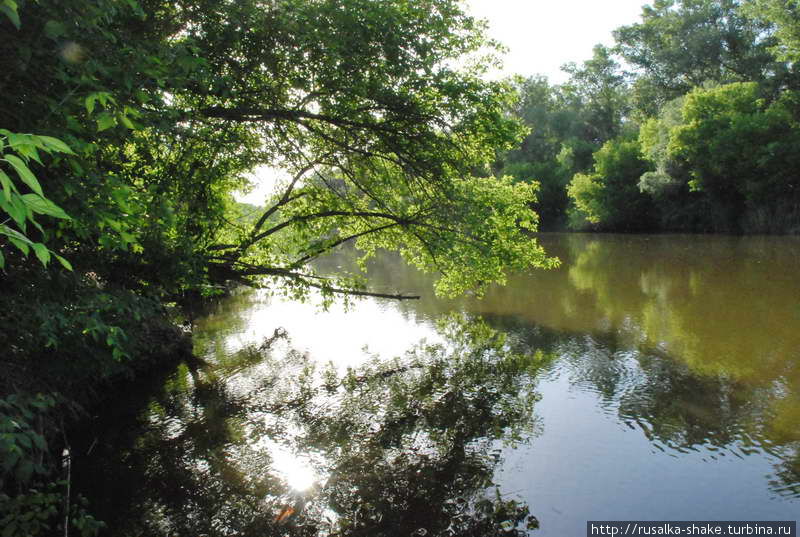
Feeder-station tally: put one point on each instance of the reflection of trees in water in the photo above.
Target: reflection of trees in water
(675, 407)
(727, 310)
(694, 340)
(407, 446)
(723, 305)
(786, 481)
(693, 344)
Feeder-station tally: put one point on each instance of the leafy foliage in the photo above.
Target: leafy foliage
(36, 504)
(16, 152)
(610, 196)
(740, 150)
(598, 89)
(785, 16)
(683, 44)
(704, 181)
(22, 441)
(568, 123)
(168, 111)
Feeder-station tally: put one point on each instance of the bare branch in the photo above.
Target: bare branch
(362, 293)
(327, 214)
(304, 279)
(333, 245)
(286, 198)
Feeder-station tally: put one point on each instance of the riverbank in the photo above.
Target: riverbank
(44, 399)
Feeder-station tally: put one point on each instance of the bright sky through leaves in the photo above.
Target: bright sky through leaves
(541, 36)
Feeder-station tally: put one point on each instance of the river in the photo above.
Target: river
(647, 378)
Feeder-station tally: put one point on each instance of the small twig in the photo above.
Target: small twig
(68, 463)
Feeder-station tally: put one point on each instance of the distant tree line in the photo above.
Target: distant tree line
(688, 123)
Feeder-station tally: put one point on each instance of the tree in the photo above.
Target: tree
(599, 90)
(682, 44)
(680, 208)
(741, 151)
(166, 106)
(543, 109)
(609, 197)
(785, 16)
(357, 101)
(163, 109)
(568, 123)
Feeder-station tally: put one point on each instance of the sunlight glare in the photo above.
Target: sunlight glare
(296, 470)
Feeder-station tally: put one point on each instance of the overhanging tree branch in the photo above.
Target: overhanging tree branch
(300, 262)
(305, 279)
(327, 214)
(286, 198)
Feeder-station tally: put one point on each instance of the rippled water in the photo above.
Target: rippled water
(650, 377)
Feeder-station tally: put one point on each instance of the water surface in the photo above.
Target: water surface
(649, 377)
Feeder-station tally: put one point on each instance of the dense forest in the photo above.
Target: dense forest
(688, 123)
(128, 125)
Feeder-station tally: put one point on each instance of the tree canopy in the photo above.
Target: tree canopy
(376, 111)
(682, 44)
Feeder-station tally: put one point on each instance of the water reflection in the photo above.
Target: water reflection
(694, 339)
(266, 441)
(670, 374)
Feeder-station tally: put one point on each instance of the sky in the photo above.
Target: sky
(542, 35)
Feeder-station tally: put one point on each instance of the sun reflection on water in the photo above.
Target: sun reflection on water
(297, 470)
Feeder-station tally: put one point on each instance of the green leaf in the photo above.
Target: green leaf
(42, 205)
(16, 209)
(89, 103)
(55, 144)
(127, 237)
(41, 252)
(125, 121)
(24, 173)
(105, 97)
(28, 151)
(105, 121)
(16, 139)
(8, 185)
(66, 264)
(13, 234)
(54, 29)
(142, 97)
(9, 7)
(23, 247)
(2, 260)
